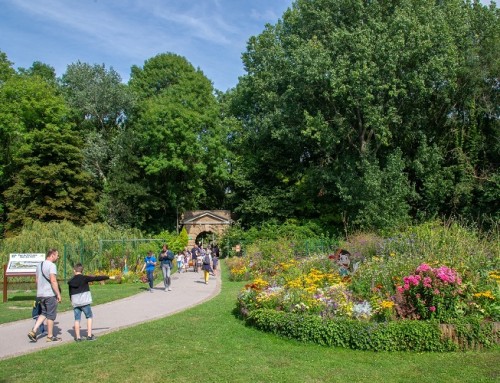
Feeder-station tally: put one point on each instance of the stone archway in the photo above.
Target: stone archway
(198, 221)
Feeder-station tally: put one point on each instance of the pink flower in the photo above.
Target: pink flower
(423, 267)
(436, 292)
(412, 280)
(447, 275)
(406, 286)
(432, 308)
(427, 282)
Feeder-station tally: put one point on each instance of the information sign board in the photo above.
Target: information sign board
(24, 262)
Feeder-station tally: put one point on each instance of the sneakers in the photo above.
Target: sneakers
(91, 337)
(78, 339)
(166, 289)
(169, 289)
(53, 339)
(32, 336)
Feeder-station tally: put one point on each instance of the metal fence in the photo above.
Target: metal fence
(107, 254)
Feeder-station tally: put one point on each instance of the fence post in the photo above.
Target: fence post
(81, 250)
(65, 263)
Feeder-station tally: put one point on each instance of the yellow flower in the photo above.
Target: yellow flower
(495, 274)
(296, 283)
(387, 304)
(287, 265)
(260, 283)
(485, 294)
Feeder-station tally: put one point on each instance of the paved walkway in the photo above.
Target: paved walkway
(188, 289)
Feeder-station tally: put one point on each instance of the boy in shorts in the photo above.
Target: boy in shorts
(81, 298)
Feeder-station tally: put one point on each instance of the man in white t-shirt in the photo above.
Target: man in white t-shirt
(47, 291)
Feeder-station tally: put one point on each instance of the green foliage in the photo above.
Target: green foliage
(6, 69)
(45, 179)
(376, 197)
(80, 243)
(389, 336)
(99, 104)
(291, 233)
(365, 114)
(173, 148)
(96, 95)
(176, 242)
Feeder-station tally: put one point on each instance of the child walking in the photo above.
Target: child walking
(81, 298)
(35, 313)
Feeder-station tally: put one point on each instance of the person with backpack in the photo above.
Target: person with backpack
(166, 257)
(207, 266)
(35, 313)
(49, 294)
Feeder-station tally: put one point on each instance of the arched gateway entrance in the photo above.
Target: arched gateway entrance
(197, 222)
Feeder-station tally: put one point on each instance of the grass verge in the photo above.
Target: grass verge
(207, 343)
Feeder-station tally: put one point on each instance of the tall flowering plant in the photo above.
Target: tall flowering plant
(430, 293)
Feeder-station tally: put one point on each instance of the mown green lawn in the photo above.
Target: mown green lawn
(208, 344)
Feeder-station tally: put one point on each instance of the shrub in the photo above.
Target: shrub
(430, 293)
(361, 335)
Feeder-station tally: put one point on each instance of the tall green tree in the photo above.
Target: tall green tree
(336, 83)
(6, 71)
(99, 102)
(177, 152)
(44, 162)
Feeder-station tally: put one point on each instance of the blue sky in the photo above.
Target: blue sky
(210, 34)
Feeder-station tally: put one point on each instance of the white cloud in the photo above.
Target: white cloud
(211, 34)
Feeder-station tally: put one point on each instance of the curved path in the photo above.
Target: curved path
(188, 289)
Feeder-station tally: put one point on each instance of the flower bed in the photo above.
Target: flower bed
(430, 306)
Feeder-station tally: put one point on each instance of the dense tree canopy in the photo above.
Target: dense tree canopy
(43, 178)
(342, 93)
(352, 113)
(177, 143)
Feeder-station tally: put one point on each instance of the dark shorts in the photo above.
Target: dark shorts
(49, 307)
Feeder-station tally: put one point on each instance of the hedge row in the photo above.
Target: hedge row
(403, 335)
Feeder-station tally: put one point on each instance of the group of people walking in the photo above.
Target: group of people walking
(49, 292)
(199, 257)
(48, 297)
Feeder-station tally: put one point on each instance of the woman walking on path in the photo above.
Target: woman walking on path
(149, 265)
(207, 266)
(166, 258)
